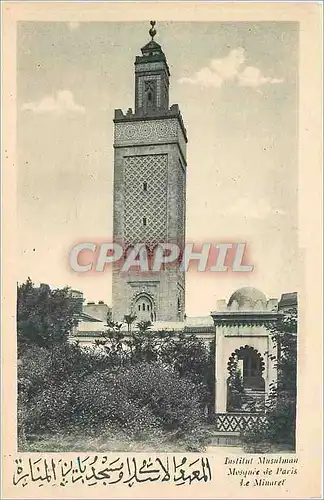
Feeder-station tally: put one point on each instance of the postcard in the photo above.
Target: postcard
(161, 289)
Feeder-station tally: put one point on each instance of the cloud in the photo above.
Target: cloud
(60, 104)
(204, 77)
(252, 77)
(252, 209)
(73, 25)
(230, 68)
(218, 71)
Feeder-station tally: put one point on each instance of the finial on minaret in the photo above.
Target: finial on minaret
(152, 31)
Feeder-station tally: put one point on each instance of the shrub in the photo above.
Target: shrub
(40, 367)
(33, 371)
(50, 409)
(47, 381)
(282, 423)
(68, 388)
(70, 360)
(185, 353)
(143, 396)
(175, 401)
(101, 403)
(278, 430)
(146, 397)
(257, 434)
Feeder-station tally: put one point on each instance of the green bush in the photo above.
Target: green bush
(141, 397)
(64, 388)
(101, 402)
(47, 381)
(40, 367)
(146, 397)
(174, 400)
(282, 423)
(34, 371)
(279, 427)
(50, 410)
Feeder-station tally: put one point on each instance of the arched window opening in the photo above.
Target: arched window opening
(144, 186)
(150, 93)
(144, 221)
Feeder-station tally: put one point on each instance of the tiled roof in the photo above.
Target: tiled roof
(288, 299)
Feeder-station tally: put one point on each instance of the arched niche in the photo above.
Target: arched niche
(143, 306)
(245, 382)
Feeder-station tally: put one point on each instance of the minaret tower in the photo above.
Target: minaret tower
(149, 190)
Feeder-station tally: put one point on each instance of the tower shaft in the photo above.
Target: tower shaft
(149, 192)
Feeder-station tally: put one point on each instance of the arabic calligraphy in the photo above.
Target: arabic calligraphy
(102, 470)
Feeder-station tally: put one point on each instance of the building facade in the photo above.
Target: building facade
(149, 192)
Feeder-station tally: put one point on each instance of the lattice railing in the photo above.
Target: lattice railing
(237, 422)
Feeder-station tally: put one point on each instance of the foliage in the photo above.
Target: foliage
(144, 326)
(50, 409)
(113, 345)
(185, 353)
(47, 379)
(284, 335)
(174, 400)
(139, 383)
(139, 399)
(102, 402)
(44, 317)
(129, 320)
(280, 427)
(235, 389)
(40, 367)
(283, 395)
(192, 359)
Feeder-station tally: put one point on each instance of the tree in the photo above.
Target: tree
(235, 388)
(113, 342)
(129, 320)
(44, 317)
(281, 405)
(193, 359)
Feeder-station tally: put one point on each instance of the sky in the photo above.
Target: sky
(236, 85)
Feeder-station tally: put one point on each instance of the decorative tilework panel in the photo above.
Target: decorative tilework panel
(140, 88)
(146, 131)
(149, 66)
(150, 204)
